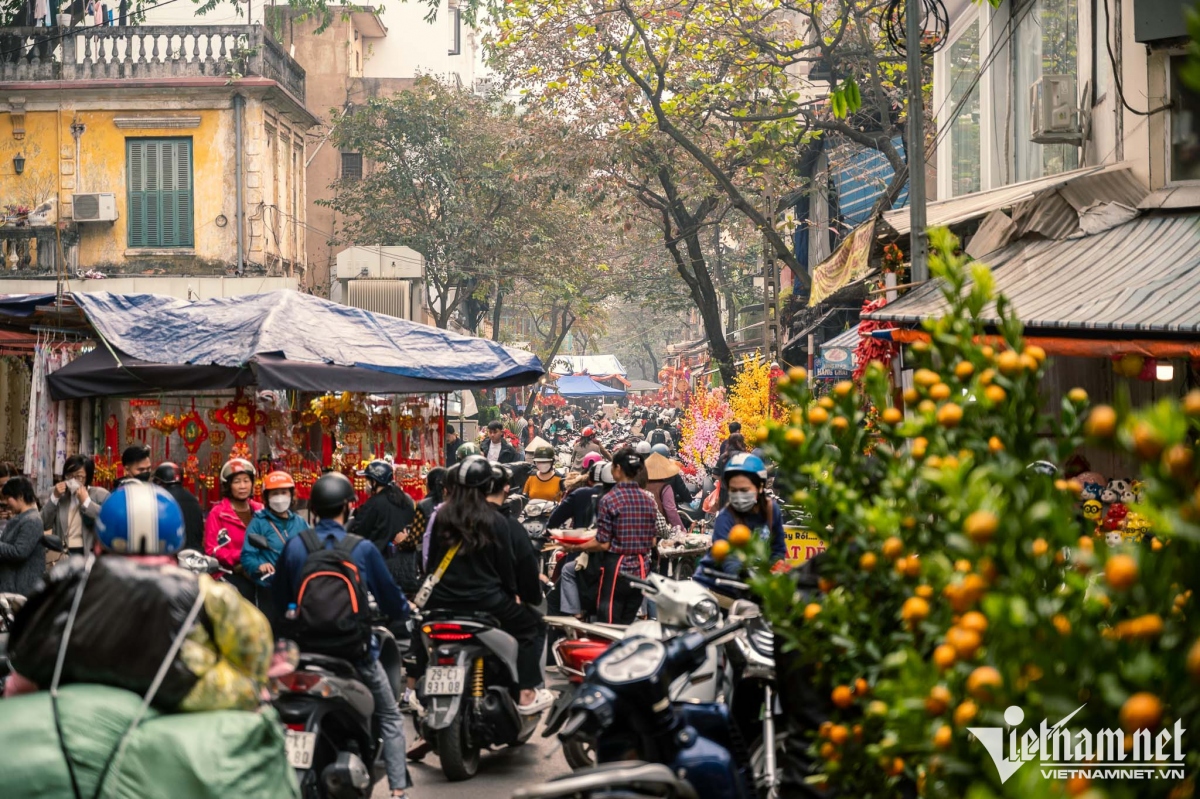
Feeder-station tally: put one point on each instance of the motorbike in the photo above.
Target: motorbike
(679, 605)
(331, 737)
(467, 690)
(624, 705)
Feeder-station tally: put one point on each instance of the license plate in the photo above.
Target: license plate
(300, 746)
(444, 680)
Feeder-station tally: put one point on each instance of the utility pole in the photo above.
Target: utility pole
(770, 276)
(913, 45)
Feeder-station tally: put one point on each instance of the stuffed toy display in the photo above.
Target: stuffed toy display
(1105, 505)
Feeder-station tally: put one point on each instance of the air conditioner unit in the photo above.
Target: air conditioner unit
(99, 207)
(1054, 111)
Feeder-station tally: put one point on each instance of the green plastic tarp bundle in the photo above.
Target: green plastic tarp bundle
(207, 755)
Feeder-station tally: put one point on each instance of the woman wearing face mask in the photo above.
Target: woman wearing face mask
(277, 523)
(225, 528)
(74, 504)
(544, 483)
(745, 476)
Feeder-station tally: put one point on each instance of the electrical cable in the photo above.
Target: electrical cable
(1116, 71)
(935, 22)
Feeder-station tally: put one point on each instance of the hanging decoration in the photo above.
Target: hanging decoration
(240, 416)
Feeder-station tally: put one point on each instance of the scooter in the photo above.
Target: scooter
(624, 705)
(468, 690)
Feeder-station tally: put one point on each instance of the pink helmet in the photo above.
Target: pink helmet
(591, 459)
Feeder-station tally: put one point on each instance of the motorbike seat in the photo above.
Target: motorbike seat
(447, 614)
(336, 666)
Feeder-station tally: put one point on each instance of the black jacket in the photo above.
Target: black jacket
(193, 517)
(508, 453)
(507, 567)
(382, 516)
(579, 506)
(682, 495)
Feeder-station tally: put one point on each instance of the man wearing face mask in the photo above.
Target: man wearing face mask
(746, 477)
(74, 505)
(544, 483)
(136, 460)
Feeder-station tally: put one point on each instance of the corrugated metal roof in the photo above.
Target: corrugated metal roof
(1141, 276)
(970, 206)
(847, 339)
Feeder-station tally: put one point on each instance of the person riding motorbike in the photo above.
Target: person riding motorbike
(170, 476)
(586, 444)
(277, 523)
(745, 477)
(544, 483)
(216, 648)
(493, 569)
(660, 471)
(386, 520)
(330, 500)
(225, 528)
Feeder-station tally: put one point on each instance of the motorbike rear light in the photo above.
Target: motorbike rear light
(447, 661)
(295, 727)
(576, 654)
(304, 682)
(446, 632)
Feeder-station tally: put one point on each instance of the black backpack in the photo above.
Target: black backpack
(333, 614)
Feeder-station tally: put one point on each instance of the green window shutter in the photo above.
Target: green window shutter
(160, 192)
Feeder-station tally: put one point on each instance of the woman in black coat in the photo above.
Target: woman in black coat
(22, 559)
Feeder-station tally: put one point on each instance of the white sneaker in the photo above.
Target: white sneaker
(410, 704)
(542, 700)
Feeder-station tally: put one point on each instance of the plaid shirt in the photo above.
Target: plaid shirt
(626, 521)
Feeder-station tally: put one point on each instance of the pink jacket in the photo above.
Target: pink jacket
(222, 518)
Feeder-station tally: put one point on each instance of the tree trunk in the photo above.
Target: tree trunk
(723, 279)
(650, 354)
(497, 308)
(568, 319)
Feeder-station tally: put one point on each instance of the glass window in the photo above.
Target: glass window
(454, 16)
(1046, 44)
(965, 154)
(1185, 126)
(1101, 63)
(352, 166)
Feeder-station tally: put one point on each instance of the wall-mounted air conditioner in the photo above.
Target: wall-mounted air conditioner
(1054, 111)
(95, 207)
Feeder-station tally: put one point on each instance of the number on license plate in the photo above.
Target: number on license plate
(444, 680)
(300, 746)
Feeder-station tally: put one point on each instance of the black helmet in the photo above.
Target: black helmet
(501, 478)
(167, 474)
(330, 493)
(475, 472)
(378, 472)
(543, 454)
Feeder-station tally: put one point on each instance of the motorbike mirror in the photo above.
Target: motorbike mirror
(53, 543)
(649, 589)
(744, 609)
(259, 541)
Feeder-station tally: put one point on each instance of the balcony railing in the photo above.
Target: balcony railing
(146, 51)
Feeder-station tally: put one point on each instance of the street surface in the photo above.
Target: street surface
(500, 773)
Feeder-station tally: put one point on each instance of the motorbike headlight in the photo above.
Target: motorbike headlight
(704, 613)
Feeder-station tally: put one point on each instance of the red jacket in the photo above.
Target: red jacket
(223, 518)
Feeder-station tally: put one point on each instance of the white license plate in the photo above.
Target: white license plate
(444, 680)
(300, 746)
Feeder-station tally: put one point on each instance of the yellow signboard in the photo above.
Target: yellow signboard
(849, 262)
(801, 544)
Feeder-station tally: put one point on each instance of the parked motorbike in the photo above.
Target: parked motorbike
(625, 706)
(468, 690)
(679, 606)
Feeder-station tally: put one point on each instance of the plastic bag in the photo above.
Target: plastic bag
(127, 620)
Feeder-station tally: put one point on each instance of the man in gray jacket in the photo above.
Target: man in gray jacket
(73, 506)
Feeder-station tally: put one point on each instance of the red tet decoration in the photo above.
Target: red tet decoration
(240, 416)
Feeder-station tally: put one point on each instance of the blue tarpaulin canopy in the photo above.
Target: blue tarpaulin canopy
(584, 386)
(285, 339)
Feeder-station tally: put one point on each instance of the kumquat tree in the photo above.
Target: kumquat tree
(962, 600)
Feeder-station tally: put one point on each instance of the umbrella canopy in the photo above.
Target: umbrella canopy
(584, 386)
(286, 340)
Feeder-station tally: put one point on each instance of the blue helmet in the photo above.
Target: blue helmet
(140, 519)
(745, 463)
(661, 449)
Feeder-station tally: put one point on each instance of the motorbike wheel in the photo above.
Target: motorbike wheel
(458, 754)
(579, 754)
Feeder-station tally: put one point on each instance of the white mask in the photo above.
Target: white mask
(743, 501)
(72, 485)
(280, 503)
(544, 468)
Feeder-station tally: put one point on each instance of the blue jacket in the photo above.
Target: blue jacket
(370, 564)
(726, 521)
(278, 531)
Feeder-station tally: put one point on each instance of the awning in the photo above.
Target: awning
(1074, 347)
(584, 386)
(602, 367)
(973, 206)
(1139, 280)
(849, 262)
(643, 386)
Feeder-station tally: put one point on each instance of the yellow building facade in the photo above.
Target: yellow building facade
(152, 149)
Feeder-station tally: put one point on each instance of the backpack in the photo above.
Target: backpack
(333, 614)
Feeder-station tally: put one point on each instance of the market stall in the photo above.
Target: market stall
(284, 379)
